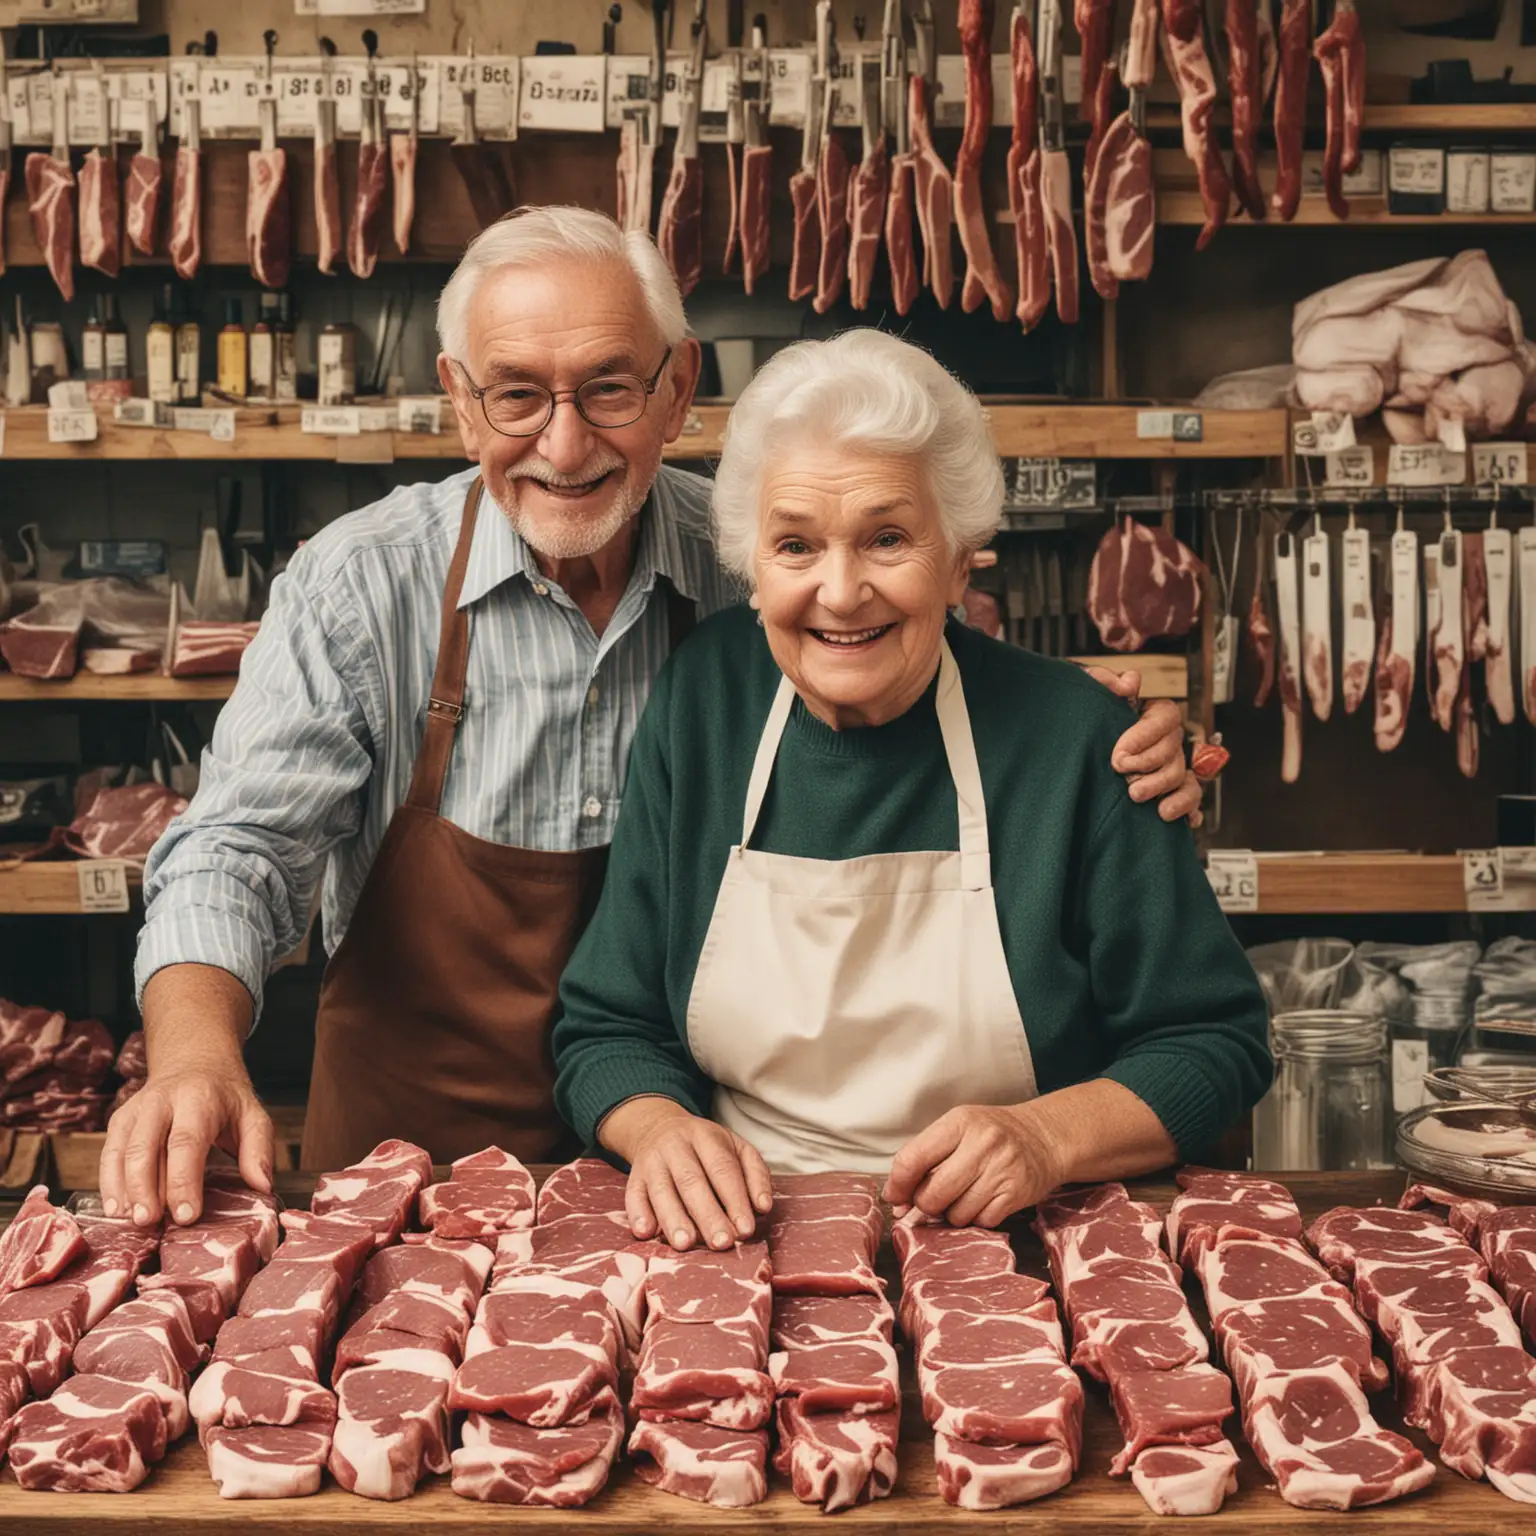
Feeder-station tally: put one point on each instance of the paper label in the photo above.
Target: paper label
(495, 81)
(331, 420)
(1365, 179)
(103, 885)
(1349, 467)
(1466, 181)
(1223, 660)
(1512, 182)
(1410, 1061)
(127, 91)
(359, 7)
(419, 415)
(135, 413)
(1154, 425)
(562, 93)
(376, 418)
(69, 395)
(229, 99)
(1054, 483)
(1482, 873)
(1416, 172)
(1330, 432)
(627, 87)
(219, 425)
(715, 100)
(87, 110)
(1499, 464)
(71, 426)
(1234, 876)
(789, 86)
(1425, 464)
(223, 428)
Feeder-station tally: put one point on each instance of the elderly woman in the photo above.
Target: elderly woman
(876, 899)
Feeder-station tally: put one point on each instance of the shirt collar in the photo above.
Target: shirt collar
(499, 552)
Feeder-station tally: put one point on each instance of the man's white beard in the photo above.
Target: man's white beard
(569, 536)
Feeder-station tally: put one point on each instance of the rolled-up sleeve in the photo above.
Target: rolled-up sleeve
(232, 882)
(1173, 988)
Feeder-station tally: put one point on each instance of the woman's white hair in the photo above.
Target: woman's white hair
(530, 237)
(866, 390)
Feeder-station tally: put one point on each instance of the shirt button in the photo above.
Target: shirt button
(541, 589)
(593, 808)
(592, 694)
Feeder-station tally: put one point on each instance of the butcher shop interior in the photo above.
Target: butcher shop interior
(1233, 295)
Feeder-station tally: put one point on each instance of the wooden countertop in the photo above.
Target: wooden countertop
(179, 1500)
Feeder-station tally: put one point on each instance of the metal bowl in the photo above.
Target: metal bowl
(1473, 1146)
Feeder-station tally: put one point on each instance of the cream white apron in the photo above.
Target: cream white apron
(840, 1006)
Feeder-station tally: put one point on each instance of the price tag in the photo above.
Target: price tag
(126, 93)
(1335, 430)
(1234, 876)
(103, 885)
(1350, 467)
(1054, 483)
(563, 94)
(627, 87)
(219, 425)
(223, 428)
(1512, 181)
(496, 91)
(1425, 464)
(184, 87)
(1365, 179)
(87, 110)
(228, 98)
(715, 100)
(1416, 171)
(1152, 426)
(298, 89)
(69, 395)
(789, 86)
(40, 107)
(1410, 1061)
(17, 109)
(1499, 464)
(71, 426)
(331, 420)
(376, 418)
(1482, 878)
(395, 89)
(419, 415)
(679, 67)
(135, 413)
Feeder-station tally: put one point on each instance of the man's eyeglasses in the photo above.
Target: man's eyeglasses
(522, 409)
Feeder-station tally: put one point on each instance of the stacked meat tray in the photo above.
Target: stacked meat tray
(478, 1340)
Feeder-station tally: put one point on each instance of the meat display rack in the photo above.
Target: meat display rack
(179, 1499)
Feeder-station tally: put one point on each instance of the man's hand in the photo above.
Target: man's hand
(1151, 753)
(196, 1018)
(687, 1175)
(975, 1166)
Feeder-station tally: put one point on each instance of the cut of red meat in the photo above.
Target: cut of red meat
(710, 1372)
(923, 1301)
(545, 1310)
(29, 1040)
(576, 1239)
(421, 1270)
(1343, 1234)
(825, 1184)
(488, 1193)
(1186, 1406)
(221, 1254)
(41, 1241)
(799, 1321)
(288, 1286)
(1479, 1407)
(204, 1303)
(586, 1187)
(145, 1340)
(116, 1251)
(86, 1052)
(723, 1467)
(93, 1435)
(344, 1245)
(269, 1388)
(1186, 1479)
(1022, 1403)
(301, 1332)
(829, 1257)
(954, 1337)
(1243, 1266)
(267, 1462)
(1282, 1334)
(975, 1476)
(1144, 583)
(39, 1329)
(544, 1386)
(705, 1287)
(503, 1462)
(856, 1375)
(442, 1324)
(392, 1428)
(836, 1460)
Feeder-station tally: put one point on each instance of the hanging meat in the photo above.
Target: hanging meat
(1102, 115)
(185, 243)
(734, 134)
(832, 177)
(1031, 252)
(1190, 65)
(1340, 53)
(1527, 550)
(868, 191)
(51, 198)
(483, 167)
(1291, 104)
(1245, 88)
(935, 186)
(1394, 664)
(402, 168)
(1261, 634)
(1095, 23)
(1448, 640)
(366, 232)
(1497, 673)
(1474, 633)
(1359, 619)
(1055, 169)
(805, 243)
(146, 175)
(1144, 584)
(1122, 195)
(101, 215)
(984, 280)
(1317, 621)
(328, 237)
(267, 228)
(1096, 198)
(680, 231)
(756, 173)
(1287, 604)
(901, 205)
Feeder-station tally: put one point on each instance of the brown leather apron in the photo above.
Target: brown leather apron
(435, 1012)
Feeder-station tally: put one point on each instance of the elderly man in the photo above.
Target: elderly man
(436, 716)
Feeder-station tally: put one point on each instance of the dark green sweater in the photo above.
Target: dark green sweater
(1121, 960)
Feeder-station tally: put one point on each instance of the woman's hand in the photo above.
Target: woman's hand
(975, 1166)
(687, 1175)
(1151, 753)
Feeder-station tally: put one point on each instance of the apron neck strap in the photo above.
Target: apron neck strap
(959, 749)
(445, 706)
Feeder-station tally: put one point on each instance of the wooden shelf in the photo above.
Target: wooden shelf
(1041, 429)
(49, 888)
(1393, 116)
(1162, 676)
(1304, 884)
(143, 688)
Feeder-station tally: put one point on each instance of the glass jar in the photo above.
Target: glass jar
(1330, 1106)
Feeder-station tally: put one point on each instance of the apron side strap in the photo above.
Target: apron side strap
(767, 751)
(445, 706)
(965, 770)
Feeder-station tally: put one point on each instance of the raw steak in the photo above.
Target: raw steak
(116, 1252)
(723, 1467)
(487, 1193)
(827, 1257)
(93, 1435)
(836, 1460)
(148, 1339)
(342, 1244)
(544, 1386)
(854, 1375)
(1020, 1404)
(302, 1333)
(289, 1286)
(39, 1244)
(503, 1462)
(29, 1040)
(586, 1187)
(975, 1476)
(439, 1324)
(705, 1287)
(39, 1329)
(1186, 1479)
(713, 1373)
(799, 1321)
(392, 1427)
(267, 1462)
(269, 1388)
(421, 1270)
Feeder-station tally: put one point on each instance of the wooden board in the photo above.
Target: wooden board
(88, 686)
(179, 1500)
(1362, 882)
(50, 888)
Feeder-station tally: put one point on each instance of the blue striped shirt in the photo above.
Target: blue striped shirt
(314, 750)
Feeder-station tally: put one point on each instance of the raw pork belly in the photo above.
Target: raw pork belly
(1306, 1418)
(39, 1244)
(1132, 1328)
(487, 1193)
(93, 1435)
(723, 1467)
(1462, 1375)
(587, 1187)
(501, 1461)
(1008, 1430)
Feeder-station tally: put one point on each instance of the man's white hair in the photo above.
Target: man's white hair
(862, 390)
(530, 237)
